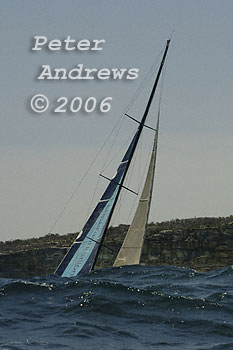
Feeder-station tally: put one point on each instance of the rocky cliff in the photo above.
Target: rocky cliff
(200, 243)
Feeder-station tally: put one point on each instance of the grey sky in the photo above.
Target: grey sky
(44, 157)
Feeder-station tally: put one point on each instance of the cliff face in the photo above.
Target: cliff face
(200, 248)
(33, 257)
(32, 262)
(186, 243)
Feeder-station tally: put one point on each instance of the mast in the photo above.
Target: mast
(82, 255)
(140, 128)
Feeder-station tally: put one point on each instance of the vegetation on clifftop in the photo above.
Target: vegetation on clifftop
(114, 233)
(199, 243)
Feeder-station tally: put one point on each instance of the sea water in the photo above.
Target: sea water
(125, 308)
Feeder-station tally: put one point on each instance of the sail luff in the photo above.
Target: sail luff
(83, 253)
(131, 249)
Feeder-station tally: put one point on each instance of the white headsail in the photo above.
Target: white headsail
(131, 248)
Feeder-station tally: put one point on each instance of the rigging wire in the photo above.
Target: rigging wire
(98, 178)
(134, 203)
(127, 108)
(144, 81)
(140, 160)
(118, 152)
(83, 177)
(160, 103)
(105, 167)
(124, 194)
(141, 178)
(138, 91)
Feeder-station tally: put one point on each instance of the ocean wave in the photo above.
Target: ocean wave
(135, 307)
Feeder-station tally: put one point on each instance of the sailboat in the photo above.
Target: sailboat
(82, 255)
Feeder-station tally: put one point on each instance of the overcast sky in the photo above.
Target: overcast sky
(44, 157)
